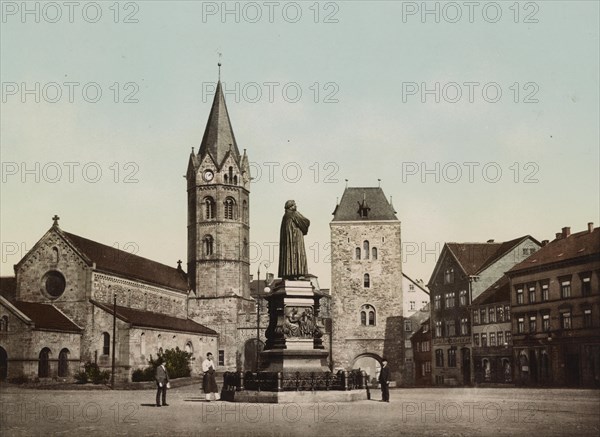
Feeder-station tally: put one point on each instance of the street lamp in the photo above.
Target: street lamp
(112, 381)
(258, 302)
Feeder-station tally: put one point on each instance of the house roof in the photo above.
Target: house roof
(8, 287)
(476, 257)
(218, 136)
(370, 199)
(499, 291)
(113, 260)
(46, 317)
(147, 319)
(580, 244)
(417, 283)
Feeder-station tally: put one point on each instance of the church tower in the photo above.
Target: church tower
(218, 187)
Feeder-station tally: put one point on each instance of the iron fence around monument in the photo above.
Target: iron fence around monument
(295, 381)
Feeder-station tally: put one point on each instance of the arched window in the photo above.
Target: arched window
(367, 315)
(245, 211)
(189, 348)
(63, 363)
(44, 363)
(366, 248)
(229, 208)
(55, 254)
(208, 245)
(235, 180)
(231, 175)
(4, 324)
(367, 281)
(357, 253)
(374, 252)
(245, 248)
(143, 343)
(105, 343)
(226, 178)
(209, 208)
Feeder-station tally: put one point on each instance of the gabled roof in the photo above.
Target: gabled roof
(147, 319)
(580, 244)
(476, 257)
(218, 136)
(112, 260)
(418, 284)
(472, 256)
(499, 291)
(506, 247)
(371, 199)
(46, 317)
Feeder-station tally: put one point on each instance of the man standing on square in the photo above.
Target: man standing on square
(384, 380)
(209, 383)
(162, 379)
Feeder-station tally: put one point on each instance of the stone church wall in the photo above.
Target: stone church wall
(138, 295)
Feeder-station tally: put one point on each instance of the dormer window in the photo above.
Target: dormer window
(363, 209)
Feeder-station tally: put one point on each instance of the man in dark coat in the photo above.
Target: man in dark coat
(292, 255)
(384, 380)
(162, 378)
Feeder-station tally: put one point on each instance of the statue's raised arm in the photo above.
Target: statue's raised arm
(292, 255)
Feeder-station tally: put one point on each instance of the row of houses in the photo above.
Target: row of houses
(520, 312)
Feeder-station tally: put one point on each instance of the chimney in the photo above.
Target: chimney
(490, 241)
(590, 227)
(544, 242)
(566, 231)
(559, 235)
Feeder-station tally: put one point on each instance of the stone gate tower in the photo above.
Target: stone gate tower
(366, 282)
(218, 189)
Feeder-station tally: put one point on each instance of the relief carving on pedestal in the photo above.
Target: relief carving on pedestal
(299, 322)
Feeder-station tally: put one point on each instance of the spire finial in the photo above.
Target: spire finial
(379, 183)
(346, 183)
(56, 219)
(219, 64)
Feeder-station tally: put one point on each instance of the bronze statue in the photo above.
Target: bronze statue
(292, 255)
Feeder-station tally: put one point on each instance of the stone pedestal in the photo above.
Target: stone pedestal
(294, 335)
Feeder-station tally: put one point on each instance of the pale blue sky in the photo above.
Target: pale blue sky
(371, 132)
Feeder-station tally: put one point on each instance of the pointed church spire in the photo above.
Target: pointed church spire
(218, 136)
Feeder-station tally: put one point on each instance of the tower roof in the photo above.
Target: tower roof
(364, 204)
(218, 136)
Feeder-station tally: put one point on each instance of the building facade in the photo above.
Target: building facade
(492, 338)
(555, 299)
(415, 311)
(366, 283)
(462, 273)
(421, 346)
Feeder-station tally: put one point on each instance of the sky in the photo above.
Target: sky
(479, 120)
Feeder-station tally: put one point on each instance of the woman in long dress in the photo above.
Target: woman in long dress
(209, 383)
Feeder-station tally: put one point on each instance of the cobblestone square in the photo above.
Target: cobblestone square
(411, 412)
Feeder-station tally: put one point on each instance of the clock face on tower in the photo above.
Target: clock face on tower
(208, 175)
